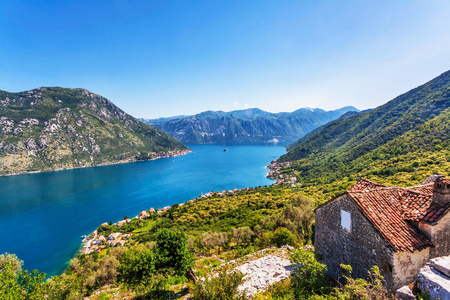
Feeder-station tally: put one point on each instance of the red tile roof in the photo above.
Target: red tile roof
(422, 189)
(418, 206)
(392, 210)
(364, 184)
(382, 208)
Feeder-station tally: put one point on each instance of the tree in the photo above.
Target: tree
(299, 216)
(145, 269)
(242, 234)
(31, 283)
(283, 236)
(9, 286)
(213, 239)
(173, 252)
(371, 289)
(139, 269)
(64, 287)
(16, 283)
(10, 260)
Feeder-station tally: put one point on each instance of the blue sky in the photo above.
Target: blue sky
(163, 58)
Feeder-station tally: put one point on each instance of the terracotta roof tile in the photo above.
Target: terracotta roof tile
(422, 189)
(383, 209)
(392, 209)
(419, 205)
(363, 184)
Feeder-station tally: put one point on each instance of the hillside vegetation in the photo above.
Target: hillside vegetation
(198, 239)
(400, 142)
(57, 128)
(198, 235)
(246, 126)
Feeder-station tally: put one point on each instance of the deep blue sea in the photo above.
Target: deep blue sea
(43, 215)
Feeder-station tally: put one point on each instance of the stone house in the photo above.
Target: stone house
(398, 229)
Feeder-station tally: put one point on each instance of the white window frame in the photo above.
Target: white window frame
(346, 220)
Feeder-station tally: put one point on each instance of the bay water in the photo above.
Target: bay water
(43, 215)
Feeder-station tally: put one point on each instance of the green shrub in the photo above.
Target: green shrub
(360, 289)
(222, 287)
(309, 275)
(283, 236)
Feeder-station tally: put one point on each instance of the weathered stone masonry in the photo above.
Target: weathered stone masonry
(361, 246)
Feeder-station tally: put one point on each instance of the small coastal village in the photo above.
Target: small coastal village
(96, 243)
(275, 167)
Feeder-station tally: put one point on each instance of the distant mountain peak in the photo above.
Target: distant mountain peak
(251, 125)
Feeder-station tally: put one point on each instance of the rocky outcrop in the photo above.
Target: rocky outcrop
(441, 264)
(434, 283)
(264, 272)
(434, 278)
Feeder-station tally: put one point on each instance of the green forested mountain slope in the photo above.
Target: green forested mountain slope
(58, 128)
(246, 126)
(318, 129)
(399, 142)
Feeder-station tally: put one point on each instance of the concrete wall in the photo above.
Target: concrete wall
(407, 266)
(361, 247)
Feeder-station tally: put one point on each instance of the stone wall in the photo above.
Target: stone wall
(361, 247)
(440, 237)
(407, 266)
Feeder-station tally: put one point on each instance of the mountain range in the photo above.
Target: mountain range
(251, 125)
(53, 128)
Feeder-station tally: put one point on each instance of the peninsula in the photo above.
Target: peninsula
(53, 128)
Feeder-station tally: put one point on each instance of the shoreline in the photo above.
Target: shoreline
(88, 241)
(169, 154)
(274, 175)
(205, 189)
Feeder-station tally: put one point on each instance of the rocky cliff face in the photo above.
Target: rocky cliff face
(57, 128)
(246, 126)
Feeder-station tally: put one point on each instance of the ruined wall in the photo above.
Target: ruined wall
(440, 237)
(407, 266)
(361, 247)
